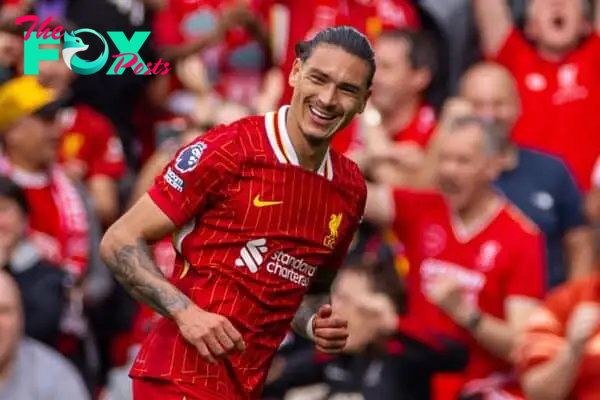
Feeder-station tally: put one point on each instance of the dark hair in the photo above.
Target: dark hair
(12, 191)
(346, 37)
(383, 278)
(422, 52)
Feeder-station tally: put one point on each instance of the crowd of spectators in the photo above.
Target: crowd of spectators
(474, 273)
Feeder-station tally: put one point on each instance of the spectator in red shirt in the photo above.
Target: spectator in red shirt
(398, 119)
(30, 145)
(477, 263)
(556, 69)
(90, 150)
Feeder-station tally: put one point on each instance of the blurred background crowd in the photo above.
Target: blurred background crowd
(67, 330)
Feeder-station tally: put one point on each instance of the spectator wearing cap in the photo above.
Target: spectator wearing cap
(555, 64)
(30, 139)
(30, 370)
(541, 185)
(90, 150)
(61, 225)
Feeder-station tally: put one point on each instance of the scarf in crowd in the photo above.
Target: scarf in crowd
(74, 240)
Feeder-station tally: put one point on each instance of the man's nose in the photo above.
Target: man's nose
(328, 95)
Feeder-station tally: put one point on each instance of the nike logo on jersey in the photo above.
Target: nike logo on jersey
(257, 202)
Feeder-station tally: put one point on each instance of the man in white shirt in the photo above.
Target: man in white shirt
(29, 370)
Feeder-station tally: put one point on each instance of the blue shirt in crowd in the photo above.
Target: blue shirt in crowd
(544, 189)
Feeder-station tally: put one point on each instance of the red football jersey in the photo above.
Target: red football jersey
(420, 128)
(255, 228)
(90, 138)
(503, 257)
(559, 102)
(309, 17)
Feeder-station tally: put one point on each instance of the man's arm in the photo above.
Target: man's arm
(380, 205)
(125, 251)
(493, 334)
(104, 191)
(549, 354)
(577, 234)
(579, 246)
(494, 22)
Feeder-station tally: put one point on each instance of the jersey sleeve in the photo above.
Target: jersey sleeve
(527, 276)
(544, 334)
(196, 176)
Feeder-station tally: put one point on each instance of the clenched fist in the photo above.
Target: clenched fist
(330, 331)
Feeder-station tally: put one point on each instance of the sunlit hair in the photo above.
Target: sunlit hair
(345, 37)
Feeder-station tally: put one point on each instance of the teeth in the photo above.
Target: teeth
(320, 113)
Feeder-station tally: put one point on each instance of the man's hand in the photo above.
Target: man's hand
(583, 323)
(330, 331)
(447, 293)
(212, 334)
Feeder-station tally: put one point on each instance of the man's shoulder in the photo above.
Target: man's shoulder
(37, 354)
(517, 222)
(563, 299)
(242, 136)
(540, 158)
(349, 177)
(346, 170)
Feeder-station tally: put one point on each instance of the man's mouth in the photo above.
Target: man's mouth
(448, 187)
(558, 21)
(321, 114)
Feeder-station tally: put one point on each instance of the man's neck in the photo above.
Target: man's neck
(310, 155)
(399, 118)
(479, 210)
(554, 55)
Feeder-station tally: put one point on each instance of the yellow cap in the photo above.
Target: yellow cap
(20, 97)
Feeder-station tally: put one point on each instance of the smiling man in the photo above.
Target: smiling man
(477, 263)
(263, 214)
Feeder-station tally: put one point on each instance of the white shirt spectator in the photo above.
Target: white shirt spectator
(40, 373)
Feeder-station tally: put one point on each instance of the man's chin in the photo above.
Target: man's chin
(315, 139)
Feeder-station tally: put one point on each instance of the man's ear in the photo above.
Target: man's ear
(294, 77)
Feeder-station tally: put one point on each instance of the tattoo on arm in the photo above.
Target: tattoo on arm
(317, 296)
(310, 305)
(134, 268)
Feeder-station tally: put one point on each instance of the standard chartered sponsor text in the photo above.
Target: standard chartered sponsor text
(291, 268)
